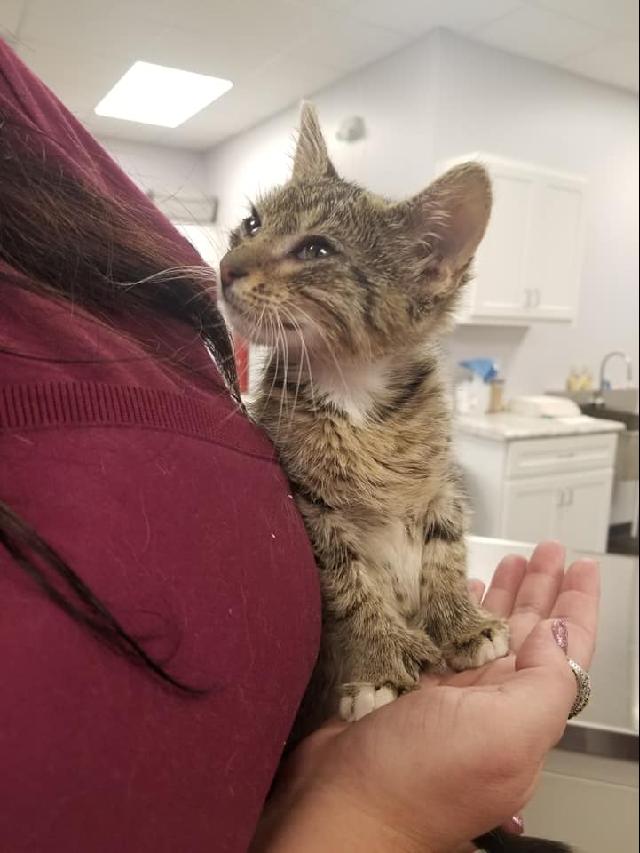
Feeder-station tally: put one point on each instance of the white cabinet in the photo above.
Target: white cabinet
(528, 265)
(555, 248)
(543, 488)
(531, 509)
(585, 506)
(572, 508)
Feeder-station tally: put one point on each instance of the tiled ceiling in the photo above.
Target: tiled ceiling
(277, 51)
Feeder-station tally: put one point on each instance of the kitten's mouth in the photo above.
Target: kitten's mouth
(262, 328)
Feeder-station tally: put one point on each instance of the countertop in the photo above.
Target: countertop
(508, 427)
(609, 725)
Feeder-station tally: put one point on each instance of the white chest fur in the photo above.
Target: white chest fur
(394, 554)
(353, 388)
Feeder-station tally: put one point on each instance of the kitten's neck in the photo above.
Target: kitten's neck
(358, 389)
(353, 388)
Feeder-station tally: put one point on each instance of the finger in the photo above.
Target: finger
(504, 586)
(476, 589)
(578, 603)
(538, 591)
(541, 691)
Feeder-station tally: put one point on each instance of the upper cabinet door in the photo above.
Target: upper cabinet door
(583, 521)
(499, 266)
(555, 248)
(527, 267)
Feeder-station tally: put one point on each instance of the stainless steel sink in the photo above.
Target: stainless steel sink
(613, 404)
(602, 411)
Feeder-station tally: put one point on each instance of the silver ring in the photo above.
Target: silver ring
(583, 683)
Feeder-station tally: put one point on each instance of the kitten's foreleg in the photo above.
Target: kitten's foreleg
(467, 635)
(368, 654)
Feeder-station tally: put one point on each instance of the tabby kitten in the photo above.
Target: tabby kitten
(351, 293)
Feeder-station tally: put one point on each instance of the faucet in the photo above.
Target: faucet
(603, 366)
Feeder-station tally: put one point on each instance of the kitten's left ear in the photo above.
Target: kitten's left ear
(449, 218)
(311, 158)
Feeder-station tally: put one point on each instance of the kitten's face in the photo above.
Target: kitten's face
(321, 264)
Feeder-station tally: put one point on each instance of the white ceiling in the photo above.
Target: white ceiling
(278, 51)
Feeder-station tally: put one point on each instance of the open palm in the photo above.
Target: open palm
(461, 754)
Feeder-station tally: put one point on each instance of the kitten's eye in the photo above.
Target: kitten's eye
(314, 248)
(252, 224)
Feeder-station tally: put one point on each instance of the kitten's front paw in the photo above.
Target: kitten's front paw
(360, 698)
(489, 642)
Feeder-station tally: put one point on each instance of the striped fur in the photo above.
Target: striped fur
(356, 402)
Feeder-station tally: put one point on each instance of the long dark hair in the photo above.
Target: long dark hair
(72, 240)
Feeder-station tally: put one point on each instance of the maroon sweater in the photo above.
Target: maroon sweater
(172, 508)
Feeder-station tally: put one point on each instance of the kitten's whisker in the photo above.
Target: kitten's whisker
(321, 333)
(255, 327)
(298, 329)
(311, 386)
(305, 351)
(285, 388)
(275, 350)
(267, 365)
(283, 391)
(304, 354)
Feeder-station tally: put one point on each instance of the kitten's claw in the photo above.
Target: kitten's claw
(361, 698)
(491, 642)
(357, 700)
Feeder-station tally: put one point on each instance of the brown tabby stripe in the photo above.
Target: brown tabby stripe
(405, 394)
(443, 530)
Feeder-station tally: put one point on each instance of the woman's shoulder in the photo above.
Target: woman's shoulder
(61, 366)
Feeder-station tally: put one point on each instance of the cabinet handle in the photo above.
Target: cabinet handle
(569, 497)
(527, 298)
(536, 303)
(560, 498)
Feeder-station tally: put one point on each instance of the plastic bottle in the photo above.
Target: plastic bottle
(573, 381)
(476, 395)
(587, 380)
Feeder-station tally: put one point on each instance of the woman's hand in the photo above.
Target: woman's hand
(459, 756)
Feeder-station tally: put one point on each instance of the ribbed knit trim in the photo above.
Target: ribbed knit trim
(60, 404)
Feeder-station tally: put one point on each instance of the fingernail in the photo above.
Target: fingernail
(560, 632)
(518, 824)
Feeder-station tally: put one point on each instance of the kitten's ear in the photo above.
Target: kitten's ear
(449, 218)
(311, 159)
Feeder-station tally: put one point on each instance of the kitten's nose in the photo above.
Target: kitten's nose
(230, 271)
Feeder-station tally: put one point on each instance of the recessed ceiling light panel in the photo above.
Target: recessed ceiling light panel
(155, 94)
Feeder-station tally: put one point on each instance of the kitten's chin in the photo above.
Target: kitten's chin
(237, 322)
(263, 335)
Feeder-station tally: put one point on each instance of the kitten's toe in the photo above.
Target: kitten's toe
(361, 698)
(491, 642)
(384, 695)
(424, 650)
(357, 700)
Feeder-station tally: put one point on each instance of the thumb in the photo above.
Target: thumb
(543, 687)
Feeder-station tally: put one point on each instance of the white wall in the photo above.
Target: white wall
(396, 96)
(178, 179)
(161, 169)
(492, 101)
(445, 96)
